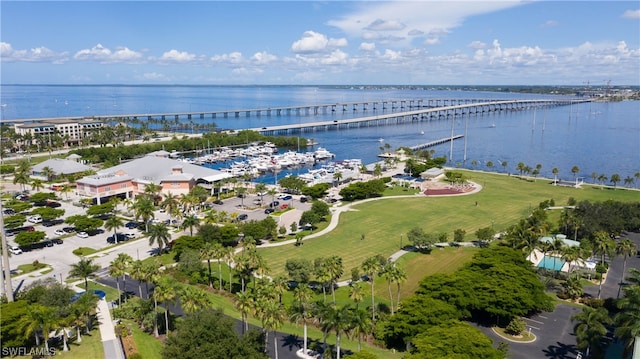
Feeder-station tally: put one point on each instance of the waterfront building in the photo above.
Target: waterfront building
(73, 129)
(131, 178)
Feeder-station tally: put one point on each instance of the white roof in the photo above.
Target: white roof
(61, 166)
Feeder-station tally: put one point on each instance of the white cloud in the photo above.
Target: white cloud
(549, 23)
(38, 54)
(631, 14)
(263, 57)
(477, 45)
(105, 55)
(230, 58)
(389, 20)
(153, 76)
(367, 46)
(176, 56)
(312, 41)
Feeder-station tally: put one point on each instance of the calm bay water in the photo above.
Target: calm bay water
(597, 137)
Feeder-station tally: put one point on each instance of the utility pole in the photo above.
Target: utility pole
(8, 288)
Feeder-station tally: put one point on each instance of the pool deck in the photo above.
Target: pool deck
(537, 256)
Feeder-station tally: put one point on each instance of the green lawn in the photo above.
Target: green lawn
(501, 203)
(91, 347)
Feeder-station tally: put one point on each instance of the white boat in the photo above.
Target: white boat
(380, 139)
(422, 132)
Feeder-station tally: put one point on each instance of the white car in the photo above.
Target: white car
(35, 219)
(15, 250)
(59, 232)
(130, 235)
(83, 235)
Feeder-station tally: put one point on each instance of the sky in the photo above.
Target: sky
(326, 42)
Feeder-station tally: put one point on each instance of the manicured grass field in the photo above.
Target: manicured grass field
(501, 203)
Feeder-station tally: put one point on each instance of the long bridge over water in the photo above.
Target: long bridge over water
(385, 110)
(421, 114)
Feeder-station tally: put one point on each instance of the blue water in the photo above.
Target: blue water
(548, 263)
(600, 137)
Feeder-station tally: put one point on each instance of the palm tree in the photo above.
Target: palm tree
(602, 178)
(261, 188)
(66, 189)
(48, 173)
(229, 256)
(504, 165)
(244, 303)
(137, 273)
(170, 204)
(118, 268)
(193, 299)
(84, 269)
(62, 323)
(165, 292)
(302, 296)
(80, 310)
(594, 176)
(355, 293)
(272, 316)
(615, 178)
(628, 319)
(555, 174)
(151, 190)
(602, 245)
(590, 328)
(335, 270)
(159, 234)
(337, 176)
(360, 324)
(371, 266)
(36, 184)
(211, 250)
(39, 318)
(113, 223)
(338, 320)
(143, 208)
(575, 170)
(628, 181)
(625, 248)
(190, 222)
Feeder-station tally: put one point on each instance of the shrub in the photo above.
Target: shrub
(516, 326)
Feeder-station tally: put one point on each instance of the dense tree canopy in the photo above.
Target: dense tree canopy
(362, 190)
(209, 334)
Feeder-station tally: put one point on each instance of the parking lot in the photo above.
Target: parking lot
(60, 257)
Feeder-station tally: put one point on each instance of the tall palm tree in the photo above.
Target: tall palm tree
(575, 170)
(39, 318)
(170, 204)
(193, 299)
(615, 178)
(229, 256)
(84, 269)
(360, 324)
(371, 266)
(211, 250)
(190, 222)
(143, 208)
(48, 173)
(555, 174)
(261, 188)
(356, 294)
(338, 320)
(113, 223)
(300, 309)
(628, 319)
(137, 272)
(590, 328)
(80, 310)
(165, 291)
(625, 248)
(118, 268)
(334, 270)
(272, 315)
(244, 303)
(602, 245)
(159, 234)
(36, 184)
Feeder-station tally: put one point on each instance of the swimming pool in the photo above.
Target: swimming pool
(551, 263)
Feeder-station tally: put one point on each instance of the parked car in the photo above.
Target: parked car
(274, 204)
(119, 237)
(82, 235)
(35, 218)
(286, 198)
(52, 222)
(94, 232)
(132, 225)
(304, 199)
(57, 241)
(243, 216)
(15, 250)
(49, 243)
(69, 229)
(218, 202)
(9, 212)
(53, 204)
(269, 210)
(130, 235)
(59, 232)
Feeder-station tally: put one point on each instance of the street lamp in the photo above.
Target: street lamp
(400, 240)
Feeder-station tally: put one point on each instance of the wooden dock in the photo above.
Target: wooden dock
(435, 143)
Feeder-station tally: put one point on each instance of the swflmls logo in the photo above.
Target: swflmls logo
(24, 351)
